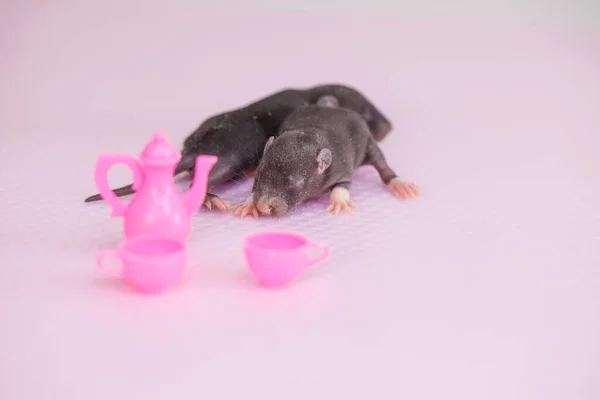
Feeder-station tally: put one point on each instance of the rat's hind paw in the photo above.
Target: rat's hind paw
(404, 189)
(246, 208)
(216, 201)
(340, 201)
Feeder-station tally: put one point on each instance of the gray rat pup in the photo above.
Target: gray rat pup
(319, 147)
(238, 137)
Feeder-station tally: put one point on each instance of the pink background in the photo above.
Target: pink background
(487, 287)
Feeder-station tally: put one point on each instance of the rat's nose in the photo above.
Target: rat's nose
(272, 206)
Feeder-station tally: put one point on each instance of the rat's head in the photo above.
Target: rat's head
(292, 170)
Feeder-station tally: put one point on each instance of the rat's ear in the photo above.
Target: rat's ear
(268, 144)
(323, 160)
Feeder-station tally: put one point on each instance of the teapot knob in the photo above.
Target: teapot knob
(160, 135)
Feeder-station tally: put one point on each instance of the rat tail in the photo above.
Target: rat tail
(186, 163)
(119, 192)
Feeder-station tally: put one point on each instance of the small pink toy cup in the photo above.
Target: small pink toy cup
(277, 258)
(150, 264)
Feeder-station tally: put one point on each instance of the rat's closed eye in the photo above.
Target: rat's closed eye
(296, 181)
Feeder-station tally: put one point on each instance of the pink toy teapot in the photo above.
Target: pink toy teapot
(157, 207)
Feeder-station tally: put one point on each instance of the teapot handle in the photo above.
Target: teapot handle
(106, 162)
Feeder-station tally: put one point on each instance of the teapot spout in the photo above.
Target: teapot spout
(194, 198)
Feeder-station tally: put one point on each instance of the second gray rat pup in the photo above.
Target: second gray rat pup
(318, 148)
(238, 137)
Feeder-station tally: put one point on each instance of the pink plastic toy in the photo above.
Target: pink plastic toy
(277, 258)
(149, 264)
(157, 207)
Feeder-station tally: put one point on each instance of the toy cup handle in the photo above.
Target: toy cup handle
(105, 254)
(104, 163)
(325, 253)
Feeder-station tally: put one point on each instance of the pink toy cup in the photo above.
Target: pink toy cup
(277, 258)
(150, 264)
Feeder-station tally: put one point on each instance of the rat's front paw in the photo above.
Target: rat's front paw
(404, 189)
(246, 208)
(215, 201)
(340, 201)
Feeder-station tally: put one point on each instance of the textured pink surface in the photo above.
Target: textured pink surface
(485, 288)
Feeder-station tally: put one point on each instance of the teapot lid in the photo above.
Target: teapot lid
(159, 151)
